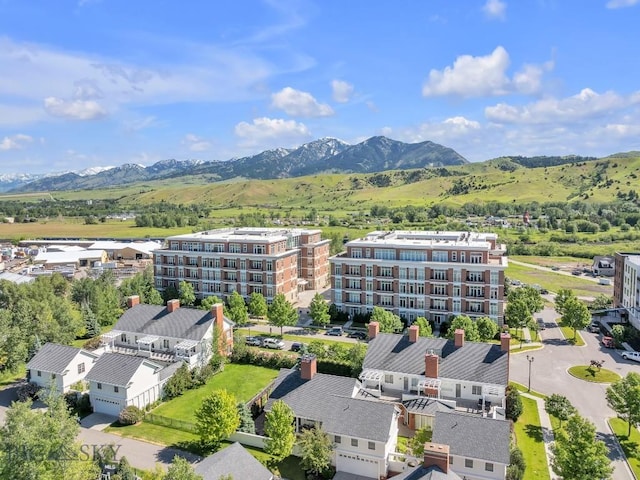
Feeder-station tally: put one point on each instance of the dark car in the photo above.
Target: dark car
(298, 346)
(334, 331)
(255, 341)
(358, 335)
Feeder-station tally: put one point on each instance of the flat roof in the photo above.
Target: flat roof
(423, 238)
(247, 234)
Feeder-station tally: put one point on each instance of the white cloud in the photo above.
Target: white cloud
(138, 124)
(15, 142)
(195, 143)
(484, 76)
(299, 104)
(495, 9)
(446, 132)
(342, 91)
(621, 3)
(268, 132)
(74, 109)
(586, 104)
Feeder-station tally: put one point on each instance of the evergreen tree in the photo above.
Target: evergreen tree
(247, 424)
(91, 325)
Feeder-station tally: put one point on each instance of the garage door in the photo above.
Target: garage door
(356, 464)
(110, 407)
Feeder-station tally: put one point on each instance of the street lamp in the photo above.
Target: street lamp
(530, 360)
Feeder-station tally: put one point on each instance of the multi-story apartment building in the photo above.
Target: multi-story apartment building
(626, 286)
(421, 273)
(246, 260)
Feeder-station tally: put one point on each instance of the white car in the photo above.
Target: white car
(631, 356)
(273, 343)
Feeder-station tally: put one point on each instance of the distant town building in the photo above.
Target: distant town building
(245, 260)
(604, 265)
(422, 274)
(626, 284)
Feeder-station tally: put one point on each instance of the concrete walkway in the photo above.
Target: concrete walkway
(547, 430)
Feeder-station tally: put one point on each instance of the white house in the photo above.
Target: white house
(118, 380)
(60, 365)
(479, 447)
(364, 432)
(169, 333)
(454, 372)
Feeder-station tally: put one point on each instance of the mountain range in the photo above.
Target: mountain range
(326, 155)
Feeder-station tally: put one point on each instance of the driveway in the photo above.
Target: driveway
(549, 375)
(7, 395)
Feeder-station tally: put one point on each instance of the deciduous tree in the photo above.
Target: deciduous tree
(280, 430)
(575, 315)
(319, 310)
(317, 450)
(517, 314)
(217, 418)
(258, 305)
(180, 469)
(577, 454)
(561, 297)
(388, 322)
(424, 327)
(623, 397)
(281, 313)
(186, 293)
(238, 309)
(559, 406)
(487, 328)
(463, 322)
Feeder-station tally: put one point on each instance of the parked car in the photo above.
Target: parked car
(607, 342)
(358, 335)
(297, 346)
(254, 341)
(543, 291)
(635, 356)
(273, 343)
(541, 324)
(555, 268)
(594, 327)
(576, 272)
(335, 331)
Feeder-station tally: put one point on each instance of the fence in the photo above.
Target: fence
(170, 422)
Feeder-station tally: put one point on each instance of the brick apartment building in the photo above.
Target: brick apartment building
(422, 273)
(246, 260)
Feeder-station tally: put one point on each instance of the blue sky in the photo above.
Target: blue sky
(88, 83)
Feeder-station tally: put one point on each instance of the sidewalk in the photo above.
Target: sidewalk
(547, 430)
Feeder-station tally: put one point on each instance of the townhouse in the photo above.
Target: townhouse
(245, 260)
(59, 366)
(435, 275)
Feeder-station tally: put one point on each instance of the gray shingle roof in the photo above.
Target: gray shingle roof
(186, 323)
(116, 368)
(327, 399)
(55, 358)
(235, 461)
(473, 436)
(476, 362)
(431, 473)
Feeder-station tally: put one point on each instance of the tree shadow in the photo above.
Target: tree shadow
(534, 432)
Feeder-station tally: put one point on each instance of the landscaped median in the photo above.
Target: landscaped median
(591, 373)
(567, 332)
(629, 444)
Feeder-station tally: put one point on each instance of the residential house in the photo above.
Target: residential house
(364, 432)
(170, 333)
(604, 265)
(435, 466)
(479, 447)
(59, 365)
(422, 274)
(451, 373)
(233, 462)
(118, 380)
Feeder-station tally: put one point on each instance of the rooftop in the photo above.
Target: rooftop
(424, 238)
(55, 358)
(234, 461)
(117, 369)
(247, 234)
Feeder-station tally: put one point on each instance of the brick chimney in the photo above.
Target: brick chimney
(458, 338)
(414, 333)
(173, 305)
(217, 311)
(374, 329)
(436, 455)
(133, 300)
(308, 366)
(431, 365)
(505, 341)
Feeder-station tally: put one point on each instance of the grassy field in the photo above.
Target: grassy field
(564, 263)
(568, 333)
(9, 377)
(243, 381)
(630, 444)
(529, 438)
(591, 374)
(555, 281)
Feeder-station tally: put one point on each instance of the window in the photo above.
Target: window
(476, 390)
(438, 256)
(495, 276)
(234, 248)
(438, 274)
(53, 376)
(116, 389)
(384, 254)
(476, 258)
(354, 442)
(39, 373)
(259, 250)
(123, 338)
(488, 467)
(468, 463)
(99, 385)
(369, 271)
(338, 439)
(439, 290)
(386, 286)
(454, 256)
(372, 445)
(385, 272)
(81, 367)
(388, 379)
(244, 248)
(165, 343)
(450, 460)
(356, 253)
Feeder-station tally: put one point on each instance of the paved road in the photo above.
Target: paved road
(549, 375)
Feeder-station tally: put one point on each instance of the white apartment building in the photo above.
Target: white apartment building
(422, 273)
(263, 260)
(626, 287)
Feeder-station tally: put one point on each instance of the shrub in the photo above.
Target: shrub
(514, 404)
(130, 415)
(92, 343)
(264, 359)
(27, 391)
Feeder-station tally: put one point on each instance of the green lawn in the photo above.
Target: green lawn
(592, 374)
(630, 445)
(289, 467)
(567, 332)
(555, 281)
(243, 381)
(79, 342)
(291, 338)
(529, 438)
(555, 421)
